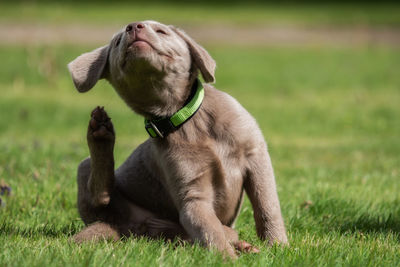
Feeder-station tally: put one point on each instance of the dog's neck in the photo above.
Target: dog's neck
(156, 97)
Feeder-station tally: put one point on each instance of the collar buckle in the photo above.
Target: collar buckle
(152, 130)
(161, 127)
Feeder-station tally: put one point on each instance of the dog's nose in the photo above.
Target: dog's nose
(134, 26)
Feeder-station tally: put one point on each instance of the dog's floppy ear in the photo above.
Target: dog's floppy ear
(88, 68)
(201, 59)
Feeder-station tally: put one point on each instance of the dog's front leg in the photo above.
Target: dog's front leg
(261, 189)
(202, 225)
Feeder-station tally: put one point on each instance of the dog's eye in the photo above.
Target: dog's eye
(118, 41)
(161, 31)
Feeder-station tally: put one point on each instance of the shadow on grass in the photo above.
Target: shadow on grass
(351, 217)
(52, 231)
(378, 223)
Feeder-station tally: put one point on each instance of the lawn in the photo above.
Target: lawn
(325, 14)
(330, 115)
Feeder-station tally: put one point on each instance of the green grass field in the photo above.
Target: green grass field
(331, 117)
(62, 12)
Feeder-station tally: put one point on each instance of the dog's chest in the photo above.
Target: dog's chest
(231, 158)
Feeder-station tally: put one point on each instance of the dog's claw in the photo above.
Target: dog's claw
(244, 247)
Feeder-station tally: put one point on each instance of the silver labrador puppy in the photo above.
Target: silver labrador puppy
(188, 179)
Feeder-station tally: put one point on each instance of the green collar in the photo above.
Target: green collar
(163, 126)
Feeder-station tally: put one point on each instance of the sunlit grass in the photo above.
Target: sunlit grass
(114, 13)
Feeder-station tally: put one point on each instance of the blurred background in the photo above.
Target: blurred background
(322, 80)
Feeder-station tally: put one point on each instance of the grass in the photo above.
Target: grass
(330, 116)
(329, 14)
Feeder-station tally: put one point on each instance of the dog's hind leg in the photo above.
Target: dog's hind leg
(101, 139)
(261, 188)
(96, 182)
(120, 217)
(97, 218)
(89, 212)
(96, 232)
(106, 212)
(96, 174)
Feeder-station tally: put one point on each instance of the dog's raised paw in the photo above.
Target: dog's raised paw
(100, 125)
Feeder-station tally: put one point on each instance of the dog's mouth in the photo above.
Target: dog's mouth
(140, 43)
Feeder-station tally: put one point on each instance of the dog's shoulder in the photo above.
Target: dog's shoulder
(227, 111)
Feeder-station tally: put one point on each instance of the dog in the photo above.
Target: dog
(187, 180)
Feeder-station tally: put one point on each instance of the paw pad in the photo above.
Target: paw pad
(100, 125)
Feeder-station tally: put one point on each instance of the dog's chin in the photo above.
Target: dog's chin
(142, 62)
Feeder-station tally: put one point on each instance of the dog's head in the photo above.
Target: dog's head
(142, 60)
